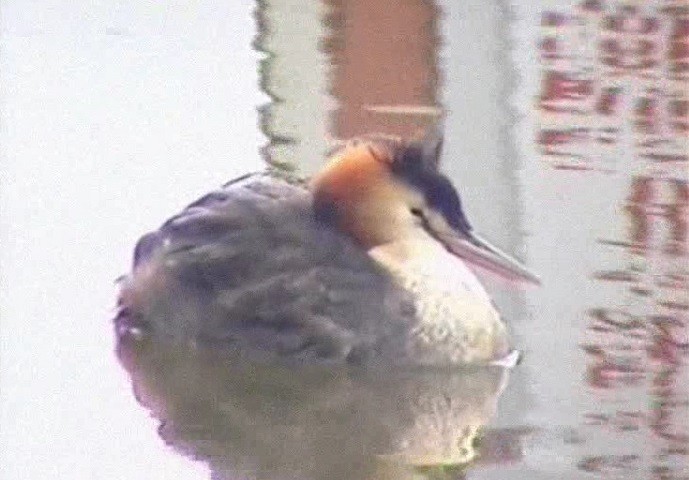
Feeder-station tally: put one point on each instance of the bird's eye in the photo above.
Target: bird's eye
(417, 212)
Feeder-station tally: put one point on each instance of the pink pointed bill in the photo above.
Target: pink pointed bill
(478, 251)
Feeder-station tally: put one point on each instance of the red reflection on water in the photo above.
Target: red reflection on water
(605, 65)
(615, 85)
(640, 347)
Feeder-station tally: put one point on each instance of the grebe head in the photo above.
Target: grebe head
(381, 189)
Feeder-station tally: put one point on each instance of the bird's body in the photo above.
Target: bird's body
(339, 272)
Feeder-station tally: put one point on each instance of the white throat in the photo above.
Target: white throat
(421, 257)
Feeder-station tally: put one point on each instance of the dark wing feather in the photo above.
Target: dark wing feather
(248, 268)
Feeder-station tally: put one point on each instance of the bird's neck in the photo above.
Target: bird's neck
(420, 257)
(456, 320)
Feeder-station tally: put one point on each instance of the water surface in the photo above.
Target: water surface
(566, 132)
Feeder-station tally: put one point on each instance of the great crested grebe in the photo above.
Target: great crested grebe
(365, 264)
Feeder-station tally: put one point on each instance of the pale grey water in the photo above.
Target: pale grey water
(114, 116)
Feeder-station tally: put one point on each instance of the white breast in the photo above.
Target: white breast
(456, 318)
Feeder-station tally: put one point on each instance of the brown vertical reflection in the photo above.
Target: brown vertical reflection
(385, 66)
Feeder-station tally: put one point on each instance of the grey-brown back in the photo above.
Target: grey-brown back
(248, 268)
